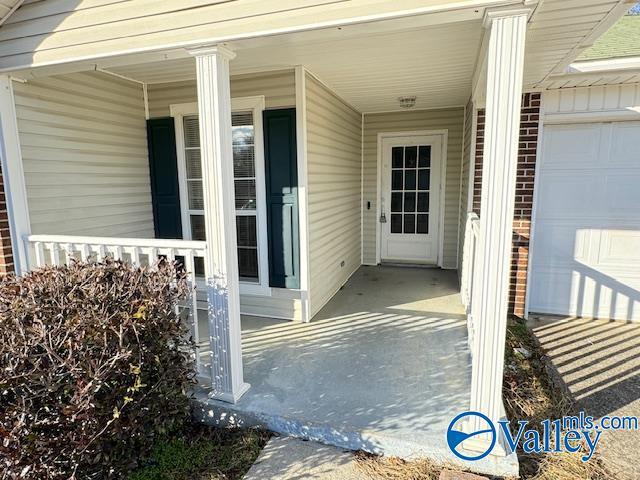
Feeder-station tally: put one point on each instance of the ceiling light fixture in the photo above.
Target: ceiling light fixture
(407, 102)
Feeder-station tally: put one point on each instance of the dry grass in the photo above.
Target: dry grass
(392, 468)
(529, 394)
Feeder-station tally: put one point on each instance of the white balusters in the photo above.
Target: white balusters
(472, 232)
(46, 250)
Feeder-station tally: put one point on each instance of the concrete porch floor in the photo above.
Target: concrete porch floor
(383, 367)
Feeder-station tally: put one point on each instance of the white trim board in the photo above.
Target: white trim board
(444, 134)
(303, 193)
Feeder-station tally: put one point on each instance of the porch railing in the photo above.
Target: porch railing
(472, 231)
(61, 249)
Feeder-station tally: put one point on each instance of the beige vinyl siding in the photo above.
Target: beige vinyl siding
(84, 148)
(334, 136)
(450, 119)
(464, 179)
(49, 31)
(282, 303)
(278, 88)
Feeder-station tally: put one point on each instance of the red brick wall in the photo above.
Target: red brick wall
(528, 143)
(6, 254)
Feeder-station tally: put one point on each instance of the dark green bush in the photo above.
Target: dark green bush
(95, 364)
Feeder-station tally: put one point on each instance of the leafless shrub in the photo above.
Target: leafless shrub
(94, 364)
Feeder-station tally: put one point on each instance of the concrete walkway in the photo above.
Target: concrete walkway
(599, 363)
(285, 458)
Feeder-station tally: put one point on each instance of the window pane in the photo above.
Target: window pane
(423, 179)
(243, 161)
(409, 179)
(423, 202)
(198, 266)
(196, 195)
(396, 157)
(242, 135)
(409, 223)
(197, 227)
(423, 224)
(410, 202)
(248, 264)
(191, 131)
(410, 157)
(246, 231)
(396, 223)
(247, 247)
(424, 156)
(396, 180)
(245, 194)
(396, 202)
(194, 164)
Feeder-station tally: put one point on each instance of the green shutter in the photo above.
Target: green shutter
(282, 197)
(163, 167)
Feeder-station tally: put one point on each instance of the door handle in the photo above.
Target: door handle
(383, 218)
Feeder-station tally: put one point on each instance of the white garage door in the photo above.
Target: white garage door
(586, 245)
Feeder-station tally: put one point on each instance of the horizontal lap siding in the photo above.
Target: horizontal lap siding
(334, 137)
(53, 30)
(450, 119)
(464, 180)
(278, 89)
(84, 148)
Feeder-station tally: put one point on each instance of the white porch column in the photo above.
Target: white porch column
(505, 59)
(13, 176)
(221, 263)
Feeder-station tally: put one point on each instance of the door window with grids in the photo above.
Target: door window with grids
(246, 180)
(410, 188)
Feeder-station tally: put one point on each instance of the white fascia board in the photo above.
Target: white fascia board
(607, 65)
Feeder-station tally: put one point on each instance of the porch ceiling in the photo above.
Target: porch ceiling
(371, 71)
(372, 63)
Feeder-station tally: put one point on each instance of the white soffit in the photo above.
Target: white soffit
(561, 29)
(614, 71)
(7, 7)
(435, 64)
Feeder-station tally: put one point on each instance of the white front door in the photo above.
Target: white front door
(410, 199)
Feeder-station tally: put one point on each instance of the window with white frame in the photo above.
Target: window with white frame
(248, 167)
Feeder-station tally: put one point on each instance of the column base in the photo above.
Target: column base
(231, 397)
(482, 444)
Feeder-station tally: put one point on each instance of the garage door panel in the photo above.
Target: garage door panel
(562, 197)
(619, 248)
(554, 291)
(586, 245)
(581, 152)
(624, 145)
(582, 292)
(562, 244)
(620, 192)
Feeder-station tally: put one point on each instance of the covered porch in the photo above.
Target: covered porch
(377, 355)
(383, 368)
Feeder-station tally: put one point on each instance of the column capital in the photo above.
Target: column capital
(497, 13)
(205, 50)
